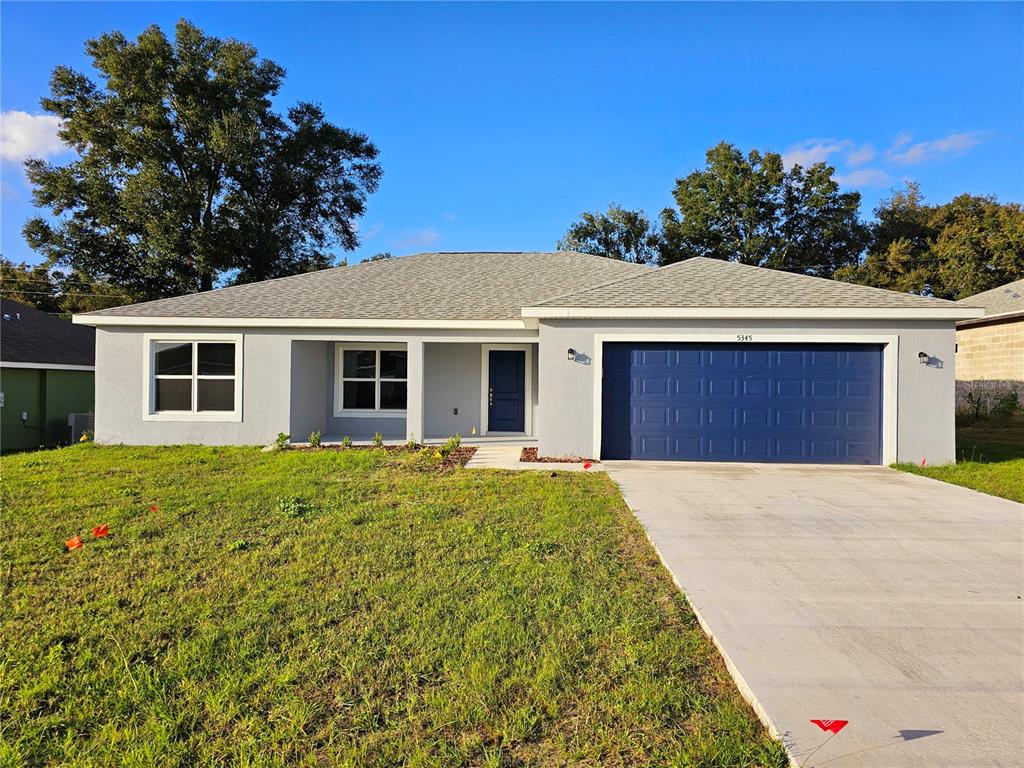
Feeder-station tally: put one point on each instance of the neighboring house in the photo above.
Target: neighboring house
(577, 354)
(46, 372)
(990, 349)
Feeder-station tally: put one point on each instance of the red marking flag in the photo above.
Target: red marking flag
(153, 507)
(74, 543)
(832, 726)
(100, 531)
(587, 465)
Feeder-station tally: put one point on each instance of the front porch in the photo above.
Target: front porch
(426, 389)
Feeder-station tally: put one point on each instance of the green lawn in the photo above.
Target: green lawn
(344, 608)
(990, 458)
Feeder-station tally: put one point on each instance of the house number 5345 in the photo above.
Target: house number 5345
(744, 337)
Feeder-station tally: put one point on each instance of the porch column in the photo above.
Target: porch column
(414, 391)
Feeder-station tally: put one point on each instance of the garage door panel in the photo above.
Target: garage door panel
(742, 402)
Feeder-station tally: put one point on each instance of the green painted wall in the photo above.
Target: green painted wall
(48, 397)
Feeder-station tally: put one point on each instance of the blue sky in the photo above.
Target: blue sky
(498, 124)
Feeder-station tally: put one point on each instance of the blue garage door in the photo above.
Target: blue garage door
(814, 403)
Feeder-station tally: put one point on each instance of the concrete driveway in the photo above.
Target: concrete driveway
(852, 593)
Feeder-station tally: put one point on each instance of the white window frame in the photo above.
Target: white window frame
(339, 381)
(150, 341)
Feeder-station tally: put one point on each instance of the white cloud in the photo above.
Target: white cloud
(864, 177)
(905, 153)
(23, 136)
(865, 153)
(448, 216)
(419, 239)
(812, 151)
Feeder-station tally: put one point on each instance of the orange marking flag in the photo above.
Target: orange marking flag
(74, 543)
(100, 531)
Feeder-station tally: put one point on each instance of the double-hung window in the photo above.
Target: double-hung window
(194, 379)
(371, 380)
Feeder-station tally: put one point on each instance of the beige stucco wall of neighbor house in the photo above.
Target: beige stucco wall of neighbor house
(990, 358)
(924, 400)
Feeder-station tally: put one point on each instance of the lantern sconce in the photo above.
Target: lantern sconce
(922, 358)
(571, 354)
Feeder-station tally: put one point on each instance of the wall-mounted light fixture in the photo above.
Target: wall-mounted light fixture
(922, 358)
(571, 353)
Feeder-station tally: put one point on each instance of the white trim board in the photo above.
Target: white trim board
(758, 313)
(485, 372)
(48, 366)
(286, 322)
(149, 390)
(890, 368)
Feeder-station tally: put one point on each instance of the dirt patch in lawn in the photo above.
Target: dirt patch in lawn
(530, 454)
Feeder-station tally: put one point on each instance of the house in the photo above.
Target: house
(46, 373)
(990, 349)
(576, 354)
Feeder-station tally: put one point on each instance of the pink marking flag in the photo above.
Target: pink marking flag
(832, 726)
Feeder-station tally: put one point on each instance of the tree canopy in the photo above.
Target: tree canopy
(953, 250)
(186, 176)
(751, 209)
(55, 291)
(618, 234)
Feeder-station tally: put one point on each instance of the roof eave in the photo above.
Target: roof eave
(752, 313)
(297, 322)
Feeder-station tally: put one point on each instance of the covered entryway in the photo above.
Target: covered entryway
(794, 403)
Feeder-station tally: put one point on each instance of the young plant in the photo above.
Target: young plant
(314, 439)
(450, 445)
(346, 442)
(281, 441)
(378, 440)
(412, 445)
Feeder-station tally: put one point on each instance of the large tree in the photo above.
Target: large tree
(953, 250)
(752, 210)
(186, 176)
(617, 234)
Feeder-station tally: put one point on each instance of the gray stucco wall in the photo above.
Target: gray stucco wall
(925, 401)
(120, 390)
(309, 388)
(451, 380)
(288, 385)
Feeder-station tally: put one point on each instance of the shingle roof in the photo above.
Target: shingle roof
(425, 286)
(999, 301)
(28, 335)
(704, 282)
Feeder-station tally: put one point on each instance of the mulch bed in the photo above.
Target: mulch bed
(457, 458)
(530, 454)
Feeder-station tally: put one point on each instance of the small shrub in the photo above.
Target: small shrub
(411, 444)
(239, 545)
(378, 439)
(314, 439)
(1004, 405)
(293, 506)
(450, 445)
(281, 441)
(346, 442)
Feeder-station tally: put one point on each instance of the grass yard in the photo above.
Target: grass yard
(990, 458)
(344, 608)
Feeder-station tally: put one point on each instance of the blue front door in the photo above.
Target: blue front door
(506, 392)
(801, 403)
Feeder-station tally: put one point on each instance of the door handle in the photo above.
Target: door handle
(490, 396)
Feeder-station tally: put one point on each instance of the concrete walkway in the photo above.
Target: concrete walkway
(860, 594)
(507, 457)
